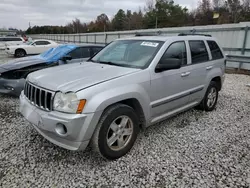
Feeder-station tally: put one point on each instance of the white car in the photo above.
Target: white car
(6, 41)
(30, 48)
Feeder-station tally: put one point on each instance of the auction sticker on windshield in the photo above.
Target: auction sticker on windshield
(151, 44)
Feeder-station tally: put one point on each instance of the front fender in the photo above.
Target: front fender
(102, 100)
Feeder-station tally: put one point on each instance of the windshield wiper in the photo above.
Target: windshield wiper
(109, 63)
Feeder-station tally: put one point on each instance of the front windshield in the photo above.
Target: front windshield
(129, 53)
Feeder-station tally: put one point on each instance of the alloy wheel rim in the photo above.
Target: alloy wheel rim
(211, 98)
(120, 133)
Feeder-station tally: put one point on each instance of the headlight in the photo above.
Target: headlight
(68, 102)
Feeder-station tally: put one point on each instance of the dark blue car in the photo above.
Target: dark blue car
(13, 73)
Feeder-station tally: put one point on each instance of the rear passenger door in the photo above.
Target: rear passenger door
(200, 58)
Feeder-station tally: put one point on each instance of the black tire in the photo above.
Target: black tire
(99, 141)
(20, 53)
(204, 103)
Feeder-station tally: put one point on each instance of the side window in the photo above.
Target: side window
(81, 52)
(12, 39)
(16, 39)
(38, 43)
(178, 51)
(96, 50)
(215, 50)
(42, 42)
(45, 42)
(198, 51)
(85, 52)
(76, 53)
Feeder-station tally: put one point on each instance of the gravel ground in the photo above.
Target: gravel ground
(3, 57)
(194, 149)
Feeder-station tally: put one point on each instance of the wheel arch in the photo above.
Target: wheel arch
(20, 49)
(218, 81)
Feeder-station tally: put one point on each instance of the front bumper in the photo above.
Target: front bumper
(80, 127)
(9, 52)
(11, 87)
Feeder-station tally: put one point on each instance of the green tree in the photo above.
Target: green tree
(204, 13)
(119, 20)
(102, 23)
(165, 13)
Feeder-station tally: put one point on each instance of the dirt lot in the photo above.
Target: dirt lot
(3, 57)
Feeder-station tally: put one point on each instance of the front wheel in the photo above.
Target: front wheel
(210, 99)
(20, 53)
(116, 132)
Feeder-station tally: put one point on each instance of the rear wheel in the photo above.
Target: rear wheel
(116, 132)
(20, 53)
(210, 99)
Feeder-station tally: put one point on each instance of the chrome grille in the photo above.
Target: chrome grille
(39, 97)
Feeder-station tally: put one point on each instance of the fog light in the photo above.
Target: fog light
(9, 88)
(61, 129)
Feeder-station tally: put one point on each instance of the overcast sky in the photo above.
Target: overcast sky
(18, 13)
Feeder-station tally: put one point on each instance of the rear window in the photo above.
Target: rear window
(215, 50)
(198, 52)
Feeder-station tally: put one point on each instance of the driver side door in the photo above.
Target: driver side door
(170, 88)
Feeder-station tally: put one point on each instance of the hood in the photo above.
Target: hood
(77, 76)
(2, 70)
(22, 62)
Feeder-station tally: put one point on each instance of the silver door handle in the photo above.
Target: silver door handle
(209, 67)
(185, 74)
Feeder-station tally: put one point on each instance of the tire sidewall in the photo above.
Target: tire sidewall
(102, 137)
(18, 51)
(206, 107)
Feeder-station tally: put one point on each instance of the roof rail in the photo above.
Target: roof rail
(194, 34)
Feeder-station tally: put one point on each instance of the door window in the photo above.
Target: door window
(85, 52)
(198, 51)
(42, 42)
(96, 50)
(215, 50)
(81, 52)
(176, 51)
(11, 39)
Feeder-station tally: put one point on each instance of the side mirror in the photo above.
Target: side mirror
(66, 57)
(168, 64)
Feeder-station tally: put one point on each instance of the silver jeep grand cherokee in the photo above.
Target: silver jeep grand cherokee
(131, 84)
